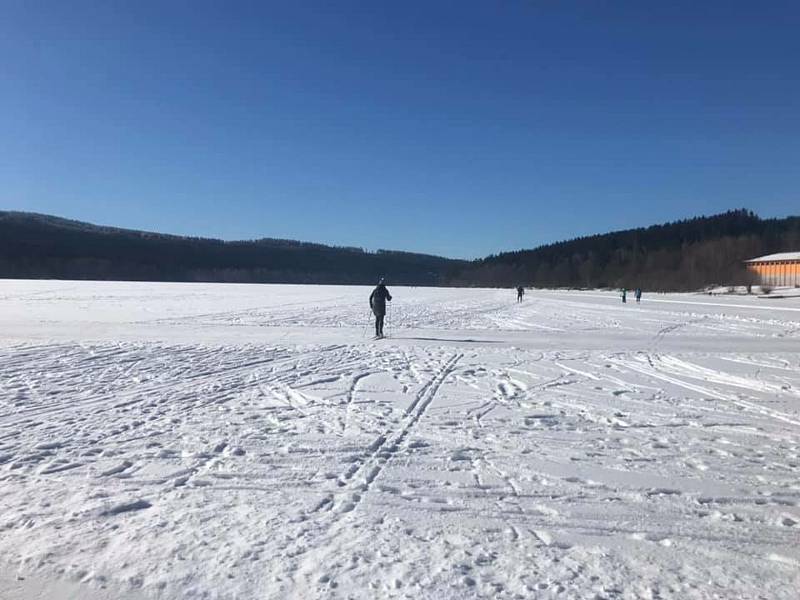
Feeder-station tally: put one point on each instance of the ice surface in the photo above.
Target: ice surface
(251, 441)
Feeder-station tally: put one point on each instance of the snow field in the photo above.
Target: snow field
(200, 441)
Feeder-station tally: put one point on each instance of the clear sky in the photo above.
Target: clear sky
(456, 128)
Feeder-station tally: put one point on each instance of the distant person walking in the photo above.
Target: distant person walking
(520, 293)
(377, 302)
(624, 295)
(638, 294)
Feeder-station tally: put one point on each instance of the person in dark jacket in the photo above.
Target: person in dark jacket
(377, 302)
(520, 293)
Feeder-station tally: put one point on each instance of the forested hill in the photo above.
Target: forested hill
(685, 255)
(45, 247)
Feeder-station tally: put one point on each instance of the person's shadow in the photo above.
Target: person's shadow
(433, 339)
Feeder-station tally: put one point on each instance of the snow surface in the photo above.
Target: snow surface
(250, 441)
(777, 257)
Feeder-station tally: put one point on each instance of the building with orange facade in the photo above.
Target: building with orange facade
(776, 269)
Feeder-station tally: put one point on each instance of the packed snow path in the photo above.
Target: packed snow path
(212, 441)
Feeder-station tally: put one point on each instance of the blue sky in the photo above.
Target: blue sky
(456, 128)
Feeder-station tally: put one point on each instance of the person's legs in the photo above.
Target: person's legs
(380, 325)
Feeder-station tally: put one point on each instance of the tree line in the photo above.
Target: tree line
(684, 255)
(680, 256)
(45, 247)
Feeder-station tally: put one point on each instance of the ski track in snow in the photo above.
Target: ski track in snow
(428, 465)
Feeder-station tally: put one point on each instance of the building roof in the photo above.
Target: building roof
(776, 257)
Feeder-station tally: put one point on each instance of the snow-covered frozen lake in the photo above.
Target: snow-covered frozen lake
(250, 441)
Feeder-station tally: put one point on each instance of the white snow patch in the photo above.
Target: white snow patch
(224, 441)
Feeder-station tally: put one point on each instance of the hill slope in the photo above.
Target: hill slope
(41, 246)
(684, 255)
